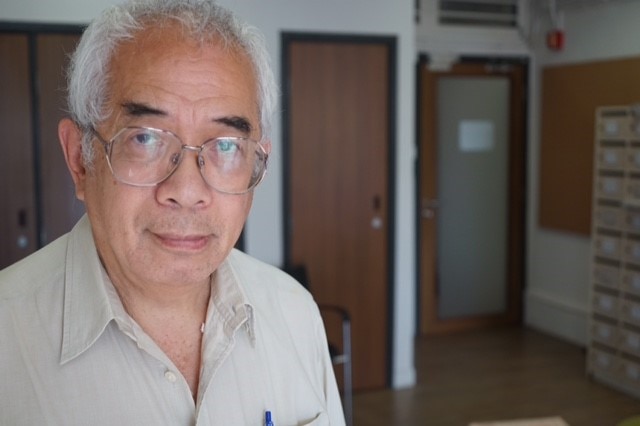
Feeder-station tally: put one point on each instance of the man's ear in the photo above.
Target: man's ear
(71, 141)
(267, 146)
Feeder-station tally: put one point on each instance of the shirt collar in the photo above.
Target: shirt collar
(87, 310)
(230, 302)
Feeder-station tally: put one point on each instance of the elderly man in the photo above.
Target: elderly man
(144, 314)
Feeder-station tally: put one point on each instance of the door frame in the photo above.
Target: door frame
(427, 321)
(286, 39)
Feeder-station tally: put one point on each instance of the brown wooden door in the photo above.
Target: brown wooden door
(39, 202)
(338, 142)
(18, 206)
(60, 207)
(431, 320)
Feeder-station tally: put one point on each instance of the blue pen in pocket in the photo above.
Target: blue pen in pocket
(267, 419)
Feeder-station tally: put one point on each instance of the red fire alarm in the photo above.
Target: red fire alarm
(555, 39)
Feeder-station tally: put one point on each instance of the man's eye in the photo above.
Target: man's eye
(227, 146)
(144, 138)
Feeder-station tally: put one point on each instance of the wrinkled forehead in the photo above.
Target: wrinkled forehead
(161, 72)
(158, 49)
(171, 32)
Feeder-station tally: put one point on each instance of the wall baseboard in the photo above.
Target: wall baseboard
(559, 318)
(403, 379)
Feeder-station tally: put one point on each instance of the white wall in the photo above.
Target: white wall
(557, 297)
(264, 229)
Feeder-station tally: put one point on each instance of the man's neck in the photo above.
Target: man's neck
(165, 299)
(173, 317)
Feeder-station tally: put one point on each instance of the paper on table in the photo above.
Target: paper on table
(548, 421)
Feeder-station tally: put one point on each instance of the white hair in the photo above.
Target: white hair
(202, 20)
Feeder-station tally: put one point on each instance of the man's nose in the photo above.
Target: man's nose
(186, 186)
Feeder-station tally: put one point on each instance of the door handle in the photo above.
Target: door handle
(377, 222)
(428, 208)
(23, 240)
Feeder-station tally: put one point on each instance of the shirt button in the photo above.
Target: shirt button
(170, 376)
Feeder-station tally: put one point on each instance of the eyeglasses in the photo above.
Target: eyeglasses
(143, 156)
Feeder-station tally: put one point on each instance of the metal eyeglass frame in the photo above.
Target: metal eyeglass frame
(197, 149)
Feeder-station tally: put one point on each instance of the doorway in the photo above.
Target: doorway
(338, 187)
(471, 189)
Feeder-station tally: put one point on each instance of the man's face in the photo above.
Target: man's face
(178, 232)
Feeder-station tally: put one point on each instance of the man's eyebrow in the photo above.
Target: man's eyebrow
(236, 122)
(137, 109)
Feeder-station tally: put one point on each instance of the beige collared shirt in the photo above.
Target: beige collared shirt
(71, 355)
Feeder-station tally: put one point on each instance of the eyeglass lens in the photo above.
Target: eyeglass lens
(146, 157)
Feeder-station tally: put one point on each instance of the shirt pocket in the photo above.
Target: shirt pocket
(321, 419)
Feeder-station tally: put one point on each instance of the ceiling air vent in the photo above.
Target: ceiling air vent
(485, 13)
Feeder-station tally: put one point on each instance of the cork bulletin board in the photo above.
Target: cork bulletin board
(570, 96)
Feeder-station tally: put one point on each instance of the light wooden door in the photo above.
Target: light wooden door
(338, 132)
(472, 192)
